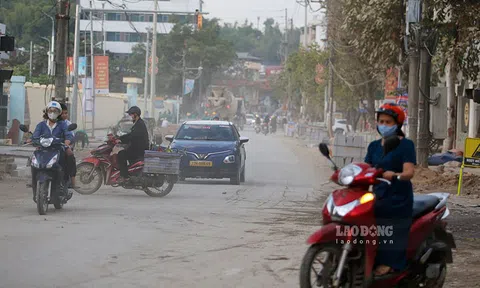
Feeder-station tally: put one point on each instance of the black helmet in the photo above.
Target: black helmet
(134, 110)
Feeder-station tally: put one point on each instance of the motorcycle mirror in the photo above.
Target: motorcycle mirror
(324, 150)
(72, 127)
(390, 143)
(24, 128)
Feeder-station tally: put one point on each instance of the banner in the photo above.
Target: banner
(82, 66)
(189, 84)
(101, 75)
(391, 84)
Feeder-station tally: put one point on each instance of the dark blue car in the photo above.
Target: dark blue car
(214, 149)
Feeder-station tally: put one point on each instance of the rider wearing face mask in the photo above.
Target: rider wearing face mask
(52, 127)
(394, 203)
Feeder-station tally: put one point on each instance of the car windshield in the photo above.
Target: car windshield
(206, 132)
(249, 116)
(125, 126)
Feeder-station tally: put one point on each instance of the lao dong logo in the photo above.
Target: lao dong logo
(363, 231)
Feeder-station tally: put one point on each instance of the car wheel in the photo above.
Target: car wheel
(242, 175)
(236, 180)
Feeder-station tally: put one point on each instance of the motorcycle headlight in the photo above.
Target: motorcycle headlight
(348, 173)
(35, 162)
(329, 204)
(46, 142)
(229, 159)
(52, 161)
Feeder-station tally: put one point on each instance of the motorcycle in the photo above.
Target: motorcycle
(49, 185)
(265, 128)
(155, 175)
(347, 259)
(258, 128)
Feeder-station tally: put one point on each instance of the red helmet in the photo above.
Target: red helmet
(393, 110)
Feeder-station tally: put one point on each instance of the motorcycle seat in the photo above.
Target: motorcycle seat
(422, 204)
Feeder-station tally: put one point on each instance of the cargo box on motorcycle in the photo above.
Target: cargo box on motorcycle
(157, 162)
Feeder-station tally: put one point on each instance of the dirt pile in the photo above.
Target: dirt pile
(427, 180)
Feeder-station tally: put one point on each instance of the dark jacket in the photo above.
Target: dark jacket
(137, 140)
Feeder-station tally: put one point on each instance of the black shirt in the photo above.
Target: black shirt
(137, 139)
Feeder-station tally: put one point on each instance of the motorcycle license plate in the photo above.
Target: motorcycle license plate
(201, 163)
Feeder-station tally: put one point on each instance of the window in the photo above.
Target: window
(206, 132)
(114, 16)
(162, 18)
(132, 37)
(113, 36)
(136, 17)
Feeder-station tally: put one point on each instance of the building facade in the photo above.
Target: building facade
(120, 25)
(316, 32)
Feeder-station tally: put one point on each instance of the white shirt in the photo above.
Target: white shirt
(51, 127)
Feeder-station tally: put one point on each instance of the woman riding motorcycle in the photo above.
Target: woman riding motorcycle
(52, 127)
(394, 203)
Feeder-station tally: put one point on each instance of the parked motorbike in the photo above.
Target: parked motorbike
(50, 185)
(347, 259)
(258, 128)
(155, 175)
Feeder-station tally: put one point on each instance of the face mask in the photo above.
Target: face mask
(53, 116)
(386, 131)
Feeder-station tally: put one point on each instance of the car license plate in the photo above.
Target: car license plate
(201, 163)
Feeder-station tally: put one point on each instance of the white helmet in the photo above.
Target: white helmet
(54, 104)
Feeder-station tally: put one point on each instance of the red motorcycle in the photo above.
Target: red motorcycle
(345, 252)
(155, 175)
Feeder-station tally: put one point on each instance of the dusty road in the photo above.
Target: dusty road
(203, 234)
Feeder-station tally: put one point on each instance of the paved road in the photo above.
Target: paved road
(203, 234)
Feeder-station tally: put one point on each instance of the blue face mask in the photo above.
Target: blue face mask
(386, 131)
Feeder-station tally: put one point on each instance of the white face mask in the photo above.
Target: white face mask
(53, 116)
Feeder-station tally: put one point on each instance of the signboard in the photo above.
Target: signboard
(101, 75)
(189, 84)
(391, 83)
(273, 70)
(70, 67)
(82, 66)
(471, 158)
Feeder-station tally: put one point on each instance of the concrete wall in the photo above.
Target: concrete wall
(109, 109)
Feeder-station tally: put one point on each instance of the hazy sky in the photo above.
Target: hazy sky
(239, 10)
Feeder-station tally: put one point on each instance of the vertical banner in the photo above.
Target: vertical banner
(391, 84)
(189, 84)
(101, 75)
(70, 70)
(82, 66)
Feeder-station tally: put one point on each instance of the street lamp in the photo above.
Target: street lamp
(52, 45)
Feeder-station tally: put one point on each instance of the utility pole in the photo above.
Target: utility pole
(145, 87)
(330, 70)
(76, 52)
(423, 109)
(104, 32)
(183, 83)
(52, 48)
(61, 50)
(92, 69)
(286, 35)
(31, 61)
(153, 81)
(258, 22)
(305, 30)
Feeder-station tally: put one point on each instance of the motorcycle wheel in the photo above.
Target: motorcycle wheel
(42, 197)
(83, 171)
(160, 191)
(327, 256)
(438, 283)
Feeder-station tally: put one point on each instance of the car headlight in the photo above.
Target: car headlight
(348, 173)
(46, 142)
(52, 161)
(229, 159)
(35, 162)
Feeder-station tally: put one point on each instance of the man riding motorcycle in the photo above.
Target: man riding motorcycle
(52, 127)
(137, 141)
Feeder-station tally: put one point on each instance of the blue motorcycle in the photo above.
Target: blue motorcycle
(50, 185)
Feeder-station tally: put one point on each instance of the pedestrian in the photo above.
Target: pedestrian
(81, 136)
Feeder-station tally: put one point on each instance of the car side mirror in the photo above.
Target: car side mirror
(169, 138)
(72, 127)
(24, 128)
(244, 140)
